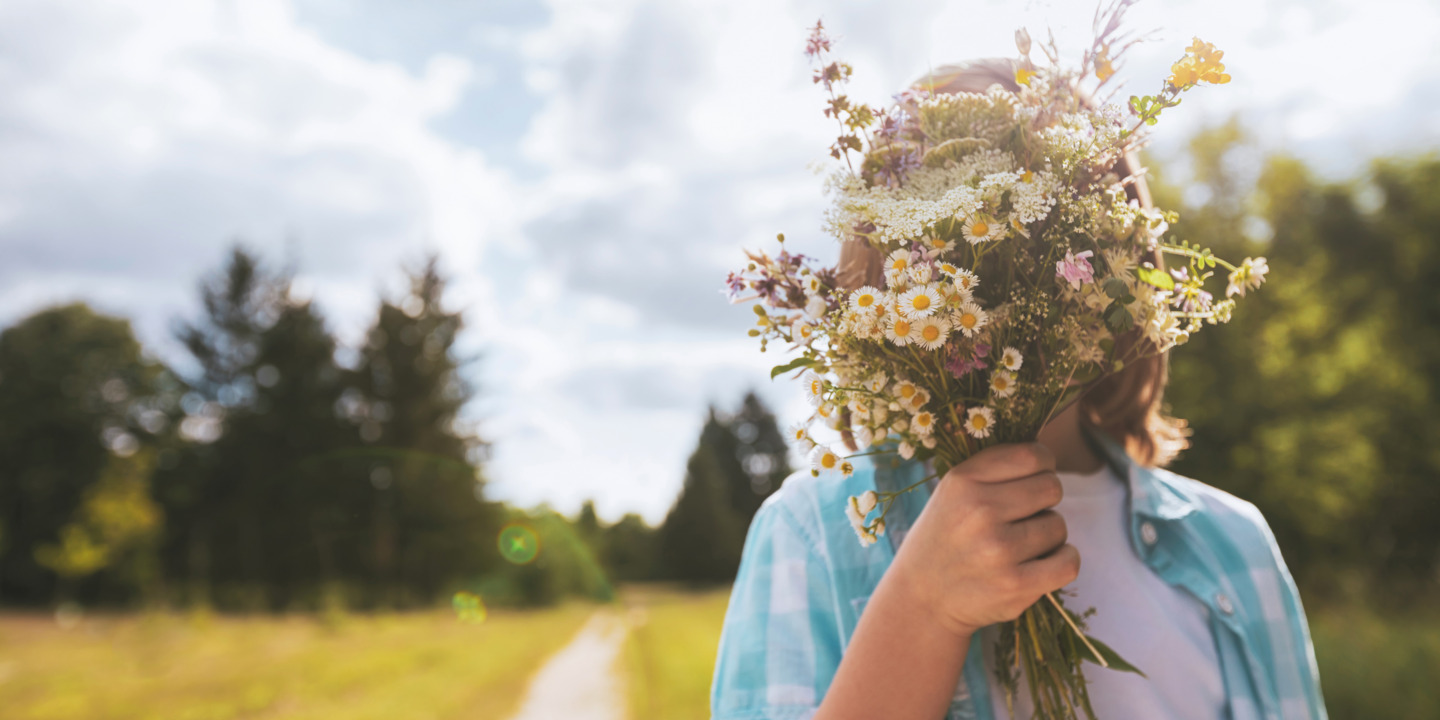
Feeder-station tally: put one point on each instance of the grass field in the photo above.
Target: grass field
(670, 653)
(1372, 666)
(398, 667)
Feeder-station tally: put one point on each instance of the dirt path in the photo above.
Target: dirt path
(581, 682)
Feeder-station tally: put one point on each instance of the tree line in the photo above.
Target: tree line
(262, 473)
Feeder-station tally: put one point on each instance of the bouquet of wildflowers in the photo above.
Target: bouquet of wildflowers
(1016, 274)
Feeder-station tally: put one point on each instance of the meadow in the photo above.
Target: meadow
(435, 666)
(401, 666)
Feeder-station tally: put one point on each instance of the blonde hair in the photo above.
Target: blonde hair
(1128, 405)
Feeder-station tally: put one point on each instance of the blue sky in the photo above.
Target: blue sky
(588, 170)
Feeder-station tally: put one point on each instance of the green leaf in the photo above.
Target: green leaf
(795, 364)
(1115, 288)
(1112, 658)
(1156, 277)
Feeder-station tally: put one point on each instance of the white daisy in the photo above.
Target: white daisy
(905, 390)
(800, 435)
(802, 331)
(931, 332)
(966, 282)
(812, 284)
(900, 331)
(979, 421)
(928, 442)
(814, 388)
(1002, 383)
(936, 244)
(1019, 227)
(897, 264)
(978, 228)
(1011, 359)
(948, 269)
(919, 301)
(876, 382)
(923, 423)
(970, 318)
(865, 299)
(918, 400)
(906, 450)
(823, 459)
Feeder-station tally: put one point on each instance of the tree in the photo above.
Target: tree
(75, 391)
(264, 496)
(739, 461)
(430, 521)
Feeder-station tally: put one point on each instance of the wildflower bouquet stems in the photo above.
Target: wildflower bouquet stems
(1016, 274)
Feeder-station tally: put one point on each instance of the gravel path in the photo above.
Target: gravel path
(582, 681)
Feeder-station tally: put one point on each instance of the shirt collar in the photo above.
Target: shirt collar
(1151, 497)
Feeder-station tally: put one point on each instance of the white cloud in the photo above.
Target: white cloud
(665, 136)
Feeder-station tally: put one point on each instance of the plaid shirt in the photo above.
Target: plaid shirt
(804, 579)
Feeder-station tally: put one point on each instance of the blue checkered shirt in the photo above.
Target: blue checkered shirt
(804, 580)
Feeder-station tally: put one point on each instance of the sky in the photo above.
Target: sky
(587, 170)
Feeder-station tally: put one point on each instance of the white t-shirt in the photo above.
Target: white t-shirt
(1162, 630)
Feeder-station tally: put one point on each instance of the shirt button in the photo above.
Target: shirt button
(1148, 533)
(1222, 601)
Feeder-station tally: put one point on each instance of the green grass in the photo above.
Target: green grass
(1373, 666)
(402, 666)
(670, 654)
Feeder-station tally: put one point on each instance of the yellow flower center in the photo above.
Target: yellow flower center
(979, 228)
(865, 300)
(828, 461)
(936, 242)
(921, 302)
(815, 387)
(923, 419)
(1027, 176)
(907, 390)
(948, 269)
(902, 328)
(978, 422)
(931, 333)
(899, 264)
(968, 320)
(1001, 383)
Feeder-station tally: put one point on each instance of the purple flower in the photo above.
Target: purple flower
(959, 365)
(818, 41)
(734, 285)
(1075, 269)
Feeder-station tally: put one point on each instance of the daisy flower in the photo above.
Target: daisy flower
(801, 331)
(966, 282)
(812, 284)
(1011, 359)
(847, 469)
(906, 450)
(921, 273)
(936, 245)
(800, 435)
(928, 442)
(978, 228)
(1019, 227)
(1002, 383)
(923, 423)
(900, 331)
(919, 399)
(876, 382)
(814, 388)
(919, 302)
(905, 390)
(931, 332)
(979, 421)
(948, 269)
(970, 318)
(823, 459)
(896, 265)
(865, 299)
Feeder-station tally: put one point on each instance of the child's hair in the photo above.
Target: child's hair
(1128, 405)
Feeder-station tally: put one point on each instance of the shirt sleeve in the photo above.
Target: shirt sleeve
(780, 645)
(1311, 704)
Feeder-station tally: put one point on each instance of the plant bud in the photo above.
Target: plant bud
(1022, 42)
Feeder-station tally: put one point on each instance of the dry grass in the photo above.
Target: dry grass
(395, 666)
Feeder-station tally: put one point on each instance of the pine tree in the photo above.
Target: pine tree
(429, 521)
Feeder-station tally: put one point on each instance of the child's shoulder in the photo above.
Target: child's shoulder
(1240, 519)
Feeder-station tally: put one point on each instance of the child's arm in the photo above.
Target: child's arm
(985, 548)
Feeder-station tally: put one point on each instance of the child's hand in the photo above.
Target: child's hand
(986, 546)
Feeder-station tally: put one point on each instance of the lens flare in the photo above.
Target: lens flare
(469, 607)
(518, 544)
